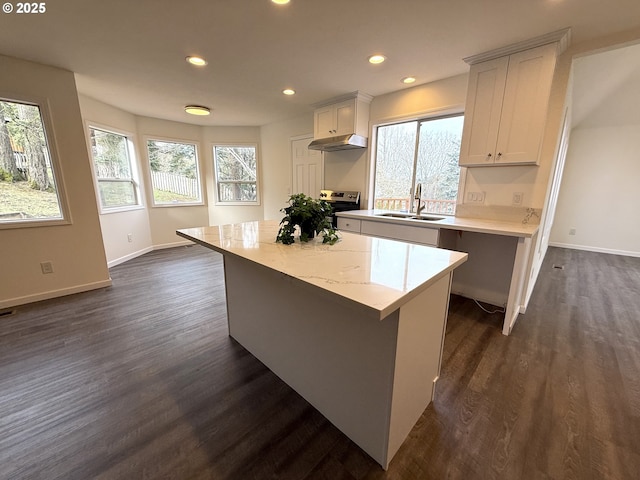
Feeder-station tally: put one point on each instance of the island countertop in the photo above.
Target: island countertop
(374, 274)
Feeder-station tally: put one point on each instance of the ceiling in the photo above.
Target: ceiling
(131, 53)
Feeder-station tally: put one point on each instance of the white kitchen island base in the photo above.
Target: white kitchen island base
(371, 379)
(356, 328)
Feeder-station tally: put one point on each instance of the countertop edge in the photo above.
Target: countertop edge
(467, 224)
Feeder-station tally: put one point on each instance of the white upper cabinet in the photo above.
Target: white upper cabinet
(506, 108)
(342, 116)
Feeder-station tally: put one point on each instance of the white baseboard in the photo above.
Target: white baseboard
(137, 253)
(128, 257)
(12, 302)
(611, 251)
(181, 243)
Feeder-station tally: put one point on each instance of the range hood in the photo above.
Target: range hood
(341, 142)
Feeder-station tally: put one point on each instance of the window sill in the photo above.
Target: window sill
(34, 223)
(109, 211)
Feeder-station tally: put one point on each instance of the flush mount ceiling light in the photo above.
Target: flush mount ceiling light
(289, 91)
(197, 61)
(408, 79)
(376, 59)
(280, 2)
(197, 110)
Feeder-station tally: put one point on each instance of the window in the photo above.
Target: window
(174, 173)
(236, 170)
(423, 151)
(30, 192)
(112, 154)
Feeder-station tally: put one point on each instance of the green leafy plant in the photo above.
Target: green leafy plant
(5, 176)
(312, 218)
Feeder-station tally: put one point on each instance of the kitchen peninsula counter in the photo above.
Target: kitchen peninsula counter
(499, 252)
(356, 328)
(449, 222)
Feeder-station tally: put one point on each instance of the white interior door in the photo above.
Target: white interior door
(307, 168)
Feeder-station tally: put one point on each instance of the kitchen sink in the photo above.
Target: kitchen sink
(410, 216)
(396, 215)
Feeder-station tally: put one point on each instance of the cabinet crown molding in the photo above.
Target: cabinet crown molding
(562, 37)
(360, 96)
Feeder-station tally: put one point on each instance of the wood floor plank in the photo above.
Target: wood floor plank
(141, 380)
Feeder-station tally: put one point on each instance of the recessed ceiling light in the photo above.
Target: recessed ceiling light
(197, 110)
(289, 91)
(408, 79)
(280, 2)
(197, 61)
(375, 59)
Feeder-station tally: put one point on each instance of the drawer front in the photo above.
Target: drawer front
(407, 233)
(349, 224)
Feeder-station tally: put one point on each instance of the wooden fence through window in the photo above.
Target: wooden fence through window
(170, 182)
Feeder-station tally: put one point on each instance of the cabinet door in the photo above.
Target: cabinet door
(324, 122)
(482, 112)
(407, 233)
(345, 115)
(524, 108)
(349, 225)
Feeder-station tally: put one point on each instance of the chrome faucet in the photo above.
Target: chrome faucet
(418, 196)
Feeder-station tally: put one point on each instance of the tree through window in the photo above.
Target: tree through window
(112, 154)
(432, 160)
(236, 174)
(174, 173)
(28, 190)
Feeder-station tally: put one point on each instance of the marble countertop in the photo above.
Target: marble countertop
(374, 274)
(468, 224)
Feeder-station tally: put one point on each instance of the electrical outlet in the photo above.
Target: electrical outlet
(572, 231)
(517, 198)
(129, 237)
(475, 197)
(46, 267)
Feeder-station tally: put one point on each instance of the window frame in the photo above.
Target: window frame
(215, 174)
(419, 117)
(199, 172)
(133, 165)
(54, 158)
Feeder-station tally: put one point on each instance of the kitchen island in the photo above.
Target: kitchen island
(356, 328)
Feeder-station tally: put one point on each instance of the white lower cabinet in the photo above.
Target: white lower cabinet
(408, 233)
(349, 225)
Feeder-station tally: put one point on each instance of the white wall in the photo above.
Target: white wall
(165, 220)
(348, 170)
(116, 226)
(223, 214)
(597, 196)
(275, 139)
(154, 227)
(599, 191)
(75, 250)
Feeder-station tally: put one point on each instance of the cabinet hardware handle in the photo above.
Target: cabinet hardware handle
(489, 155)
(499, 154)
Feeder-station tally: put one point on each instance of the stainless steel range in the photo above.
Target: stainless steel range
(341, 201)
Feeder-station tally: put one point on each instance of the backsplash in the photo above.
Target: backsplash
(525, 215)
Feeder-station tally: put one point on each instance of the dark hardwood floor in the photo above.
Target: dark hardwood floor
(141, 381)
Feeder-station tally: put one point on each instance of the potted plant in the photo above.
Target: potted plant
(312, 216)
